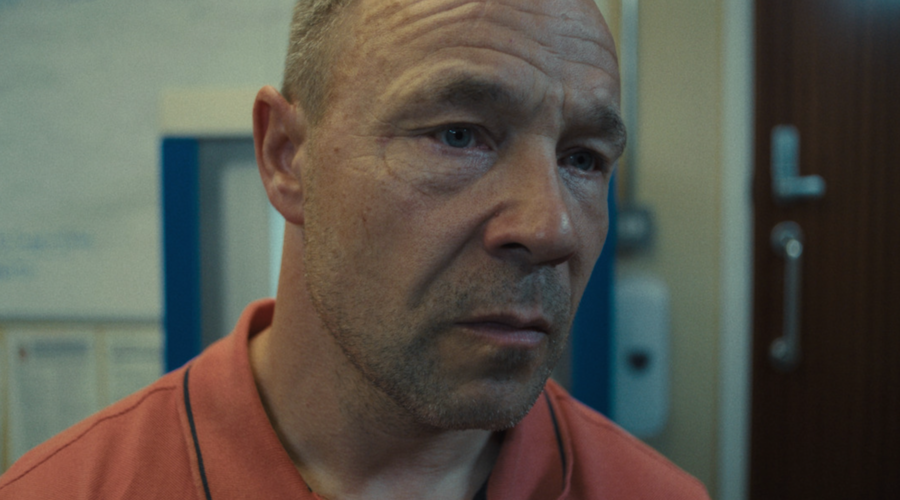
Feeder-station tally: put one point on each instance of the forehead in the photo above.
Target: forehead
(573, 29)
(564, 40)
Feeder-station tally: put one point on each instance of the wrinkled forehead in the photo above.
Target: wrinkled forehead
(548, 34)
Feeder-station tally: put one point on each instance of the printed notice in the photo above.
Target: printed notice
(133, 360)
(52, 383)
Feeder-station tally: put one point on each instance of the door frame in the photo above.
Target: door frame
(736, 268)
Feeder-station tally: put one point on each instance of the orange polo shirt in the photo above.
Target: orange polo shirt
(200, 432)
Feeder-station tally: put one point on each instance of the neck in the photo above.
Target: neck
(347, 438)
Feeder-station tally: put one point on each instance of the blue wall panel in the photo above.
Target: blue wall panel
(593, 327)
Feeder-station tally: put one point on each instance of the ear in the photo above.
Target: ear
(279, 136)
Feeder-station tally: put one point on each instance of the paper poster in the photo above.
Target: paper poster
(134, 360)
(52, 383)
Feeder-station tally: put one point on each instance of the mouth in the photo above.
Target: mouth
(509, 330)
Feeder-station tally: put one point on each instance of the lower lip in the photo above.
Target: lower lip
(507, 336)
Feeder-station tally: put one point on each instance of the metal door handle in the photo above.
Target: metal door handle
(787, 184)
(787, 241)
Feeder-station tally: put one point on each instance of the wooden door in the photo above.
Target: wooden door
(830, 427)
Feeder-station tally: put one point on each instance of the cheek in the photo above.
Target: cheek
(600, 220)
(593, 228)
(427, 197)
(343, 189)
(432, 169)
(376, 227)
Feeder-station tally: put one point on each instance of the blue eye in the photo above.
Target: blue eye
(582, 161)
(458, 137)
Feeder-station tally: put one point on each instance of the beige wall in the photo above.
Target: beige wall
(679, 178)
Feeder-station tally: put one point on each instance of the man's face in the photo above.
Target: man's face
(455, 197)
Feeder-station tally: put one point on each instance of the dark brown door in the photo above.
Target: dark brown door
(829, 426)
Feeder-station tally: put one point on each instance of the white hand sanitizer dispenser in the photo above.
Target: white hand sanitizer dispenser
(640, 398)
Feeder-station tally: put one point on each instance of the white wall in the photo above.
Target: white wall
(680, 178)
(80, 90)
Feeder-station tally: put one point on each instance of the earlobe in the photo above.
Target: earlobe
(279, 137)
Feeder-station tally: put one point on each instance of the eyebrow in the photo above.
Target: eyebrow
(465, 91)
(607, 121)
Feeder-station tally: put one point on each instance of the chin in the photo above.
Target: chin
(493, 406)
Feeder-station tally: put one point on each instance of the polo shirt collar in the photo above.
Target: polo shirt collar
(242, 456)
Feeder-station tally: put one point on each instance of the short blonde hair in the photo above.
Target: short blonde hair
(310, 54)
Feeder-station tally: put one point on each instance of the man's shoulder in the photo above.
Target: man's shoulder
(602, 452)
(135, 443)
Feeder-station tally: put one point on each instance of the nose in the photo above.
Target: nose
(533, 220)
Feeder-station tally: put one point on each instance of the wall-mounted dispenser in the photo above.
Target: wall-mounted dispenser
(640, 398)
